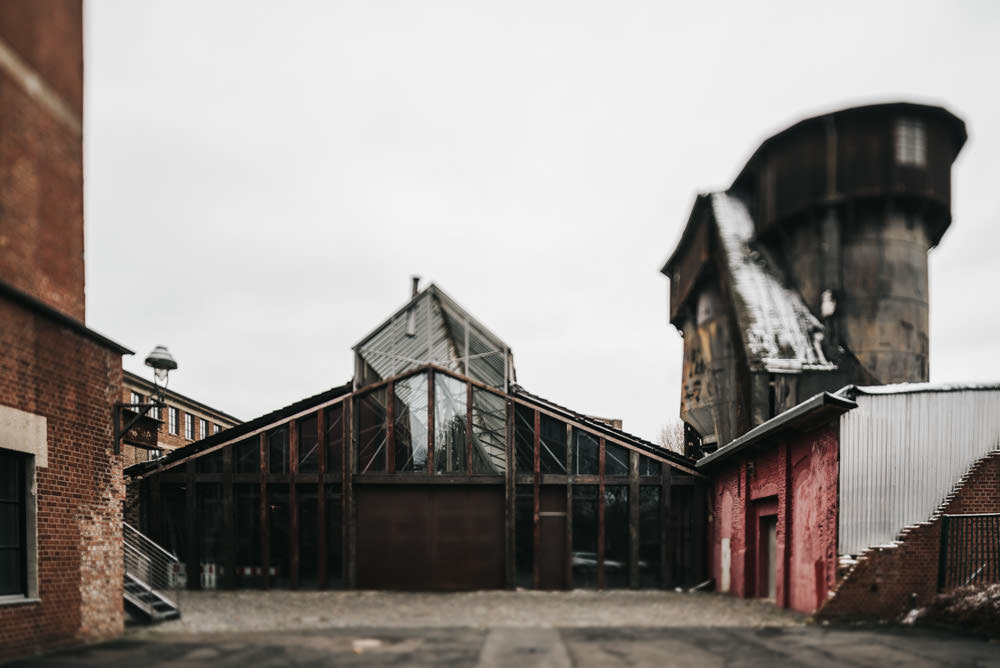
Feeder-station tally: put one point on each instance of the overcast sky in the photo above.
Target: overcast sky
(262, 178)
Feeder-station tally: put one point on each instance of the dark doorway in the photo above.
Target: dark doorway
(767, 557)
(551, 554)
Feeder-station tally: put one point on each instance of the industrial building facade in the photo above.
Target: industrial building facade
(432, 470)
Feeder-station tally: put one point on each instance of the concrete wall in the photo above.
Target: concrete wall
(795, 479)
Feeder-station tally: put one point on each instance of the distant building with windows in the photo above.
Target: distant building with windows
(183, 421)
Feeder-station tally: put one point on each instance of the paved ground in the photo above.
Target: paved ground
(510, 629)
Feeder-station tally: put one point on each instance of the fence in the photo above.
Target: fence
(970, 550)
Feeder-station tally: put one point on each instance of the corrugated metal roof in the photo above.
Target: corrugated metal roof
(903, 449)
(909, 388)
(433, 329)
(779, 331)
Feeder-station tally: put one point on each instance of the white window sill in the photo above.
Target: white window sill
(17, 599)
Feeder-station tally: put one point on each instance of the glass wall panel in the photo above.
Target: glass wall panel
(306, 496)
(585, 535)
(615, 459)
(334, 538)
(211, 539)
(210, 463)
(489, 432)
(280, 530)
(173, 497)
(524, 536)
(246, 456)
(648, 466)
(649, 536)
(553, 446)
(371, 429)
(615, 536)
(335, 438)
(249, 566)
(309, 444)
(586, 453)
(524, 439)
(410, 430)
(277, 450)
(449, 424)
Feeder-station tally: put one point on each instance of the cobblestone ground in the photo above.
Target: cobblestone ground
(207, 612)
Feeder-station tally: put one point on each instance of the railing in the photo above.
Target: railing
(148, 562)
(970, 550)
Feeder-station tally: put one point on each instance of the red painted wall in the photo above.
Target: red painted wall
(795, 478)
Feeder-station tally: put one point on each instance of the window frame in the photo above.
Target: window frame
(173, 424)
(26, 502)
(189, 426)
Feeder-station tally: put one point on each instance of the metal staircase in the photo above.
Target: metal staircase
(150, 572)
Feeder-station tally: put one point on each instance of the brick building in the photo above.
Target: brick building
(183, 421)
(836, 505)
(60, 481)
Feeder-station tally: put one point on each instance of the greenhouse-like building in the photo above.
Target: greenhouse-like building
(431, 470)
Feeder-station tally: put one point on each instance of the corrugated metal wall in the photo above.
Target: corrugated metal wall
(902, 454)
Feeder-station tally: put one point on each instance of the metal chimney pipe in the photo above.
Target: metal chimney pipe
(416, 286)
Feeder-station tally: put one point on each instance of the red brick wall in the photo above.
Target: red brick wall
(41, 180)
(48, 370)
(882, 584)
(796, 477)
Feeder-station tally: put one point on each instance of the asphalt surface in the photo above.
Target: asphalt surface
(449, 630)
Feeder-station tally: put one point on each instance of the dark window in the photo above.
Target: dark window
(210, 463)
(306, 496)
(648, 466)
(585, 536)
(525, 536)
(410, 430)
(649, 536)
(249, 569)
(247, 455)
(616, 536)
(309, 444)
(586, 453)
(553, 446)
(280, 527)
(335, 438)
(371, 419)
(334, 538)
(211, 543)
(13, 519)
(524, 439)
(449, 424)
(615, 459)
(277, 450)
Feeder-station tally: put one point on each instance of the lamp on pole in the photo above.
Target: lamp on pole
(162, 363)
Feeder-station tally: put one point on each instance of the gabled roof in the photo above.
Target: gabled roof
(432, 328)
(779, 331)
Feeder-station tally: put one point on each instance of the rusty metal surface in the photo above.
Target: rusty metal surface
(430, 538)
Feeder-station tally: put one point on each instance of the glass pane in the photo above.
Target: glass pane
(648, 466)
(371, 431)
(489, 432)
(410, 429)
(173, 534)
(10, 524)
(11, 472)
(279, 525)
(306, 497)
(249, 566)
(586, 453)
(334, 538)
(11, 572)
(449, 424)
(615, 459)
(553, 446)
(277, 450)
(524, 529)
(309, 444)
(649, 536)
(585, 535)
(524, 439)
(211, 541)
(616, 536)
(210, 463)
(247, 456)
(335, 438)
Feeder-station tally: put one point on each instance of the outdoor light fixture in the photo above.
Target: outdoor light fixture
(162, 363)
